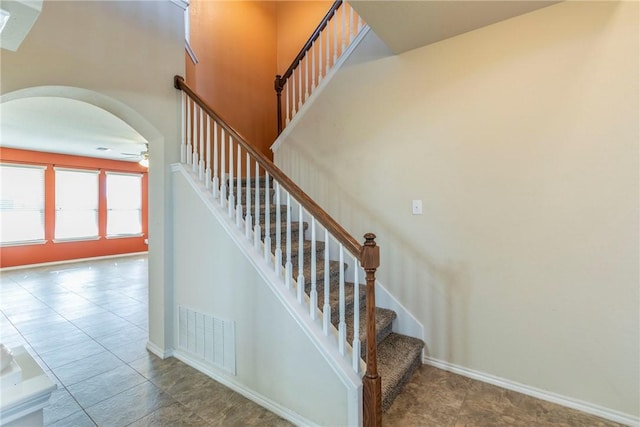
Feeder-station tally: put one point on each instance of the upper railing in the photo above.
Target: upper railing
(270, 209)
(317, 57)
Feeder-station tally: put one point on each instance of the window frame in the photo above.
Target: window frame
(42, 210)
(106, 201)
(97, 173)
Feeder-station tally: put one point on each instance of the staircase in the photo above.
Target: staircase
(398, 355)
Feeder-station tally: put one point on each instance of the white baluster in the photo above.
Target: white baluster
(267, 220)
(351, 24)
(301, 258)
(239, 188)
(313, 66)
(320, 55)
(288, 267)
(313, 307)
(207, 171)
(195, 139)
(183, 144)
(326, 309)
(256, 228)
(356, 317)
(248, 221)
(328, 43)
(202, 145)
(287, 111)
(223, 165)
(300, 99)
(335, 38)
(342, 325)
(232, 197)
(344, 27)
(278, 253)
(306, 75)
(216, 183)
(292, 79)
(189, 127)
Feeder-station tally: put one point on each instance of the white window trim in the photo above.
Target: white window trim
(28, 166)
(84, 238)
(124, 236)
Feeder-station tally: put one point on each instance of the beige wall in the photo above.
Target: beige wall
(521, 139)
(121, 56)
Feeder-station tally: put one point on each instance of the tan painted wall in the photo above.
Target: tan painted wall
(521, 139)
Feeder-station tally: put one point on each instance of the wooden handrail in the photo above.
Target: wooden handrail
(281, 80)
(341, 235)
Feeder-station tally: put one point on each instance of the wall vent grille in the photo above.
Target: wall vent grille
(207, 337)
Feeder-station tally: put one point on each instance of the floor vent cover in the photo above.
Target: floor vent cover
(208, 337)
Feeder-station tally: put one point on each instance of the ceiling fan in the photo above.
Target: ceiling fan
(142, 156)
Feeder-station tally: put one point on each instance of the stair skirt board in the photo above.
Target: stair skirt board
(399, 355)
(549, 396)
(239, 388)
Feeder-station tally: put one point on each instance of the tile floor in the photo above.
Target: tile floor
(86, 324)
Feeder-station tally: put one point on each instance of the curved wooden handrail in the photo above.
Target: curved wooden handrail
(339, 233)
(284, 77)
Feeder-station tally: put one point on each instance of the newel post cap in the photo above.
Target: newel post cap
(370, 255)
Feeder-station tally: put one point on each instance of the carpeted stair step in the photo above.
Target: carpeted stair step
(384, 322)
(295, 245)
(398, 358)
(263, 212)
(334, 295)
(334, 275)
(252, 192)
(283, 234)
(252, 181)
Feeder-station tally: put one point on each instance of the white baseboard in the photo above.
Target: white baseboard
(569, 402)
(224, 379)
(162, 354)
(71, 261)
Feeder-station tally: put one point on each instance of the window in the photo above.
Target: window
(76, 204)
(124, 204)
(21, 204)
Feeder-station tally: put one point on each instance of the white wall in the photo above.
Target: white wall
(275, 359)
(521, 139)
(128, 52)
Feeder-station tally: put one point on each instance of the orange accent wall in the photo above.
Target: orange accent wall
(50, 251)
(296, 21)
(235, 43)
(241, 46)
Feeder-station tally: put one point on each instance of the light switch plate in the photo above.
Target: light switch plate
(416, 207)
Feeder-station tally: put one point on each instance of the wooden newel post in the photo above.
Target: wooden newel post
(277, 85)
(372, 389)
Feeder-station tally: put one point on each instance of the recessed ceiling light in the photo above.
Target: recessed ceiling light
(103, 149)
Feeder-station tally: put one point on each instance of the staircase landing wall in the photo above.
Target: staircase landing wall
(276, 363)
(521, 139)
